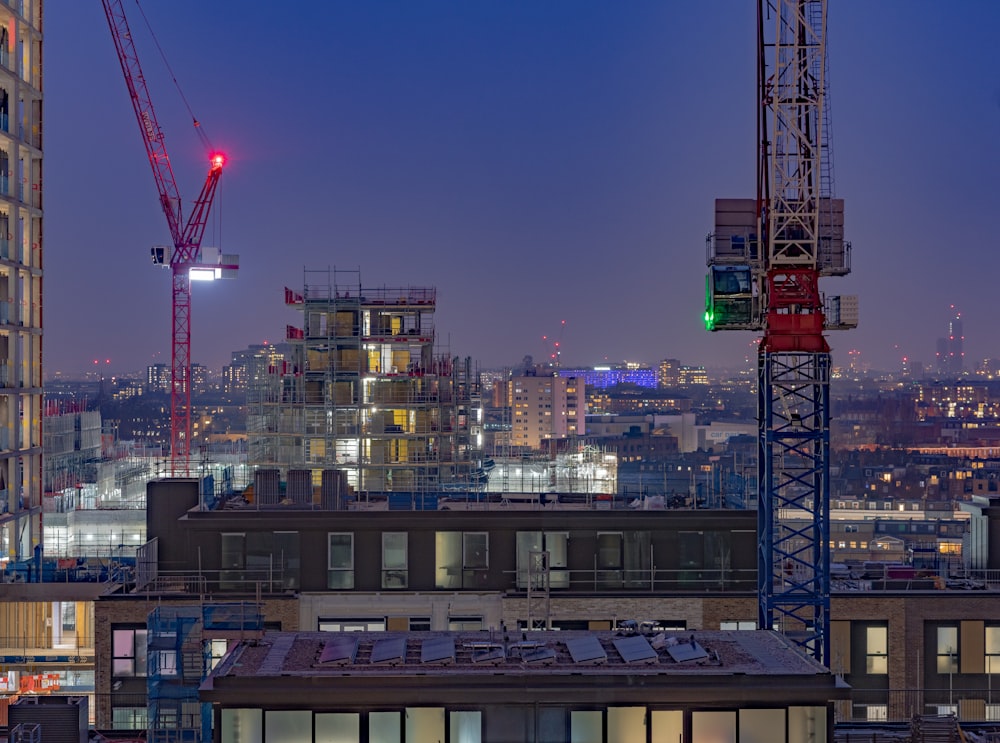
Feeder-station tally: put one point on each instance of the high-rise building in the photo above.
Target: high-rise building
(20, 278)
(547, 407)
(365, 392)
(199, 378)
(158, 378)
(950, 353)
(252, 365)
(668, 373)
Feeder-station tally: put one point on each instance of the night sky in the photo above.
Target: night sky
(535, 160)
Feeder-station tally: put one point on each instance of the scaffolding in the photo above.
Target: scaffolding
(589, 470)
(183, 645)
(365, 392)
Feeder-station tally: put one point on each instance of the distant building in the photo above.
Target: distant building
(668, 373)
(199, 378)
(253, 364)
(688, 375)
(158, 378)
(951, 349)
(602, 377)
(126, 388)
(635, 401)
(546, 407)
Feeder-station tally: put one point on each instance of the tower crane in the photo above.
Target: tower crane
(765, 259)
(186, 258)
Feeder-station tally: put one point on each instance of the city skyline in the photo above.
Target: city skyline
(534, 163)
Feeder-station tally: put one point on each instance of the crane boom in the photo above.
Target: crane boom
(145, 114)
(186, 237)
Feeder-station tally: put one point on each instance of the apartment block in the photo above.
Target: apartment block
(546, 407)
(20, 278)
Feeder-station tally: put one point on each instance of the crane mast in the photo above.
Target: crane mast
(766, 257)
(185, 258)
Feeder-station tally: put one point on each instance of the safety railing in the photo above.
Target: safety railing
(979, 705)
(207, 582)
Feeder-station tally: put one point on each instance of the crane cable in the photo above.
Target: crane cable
(217, 212)
(197, 124)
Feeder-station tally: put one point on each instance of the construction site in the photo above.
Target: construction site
(367, 392)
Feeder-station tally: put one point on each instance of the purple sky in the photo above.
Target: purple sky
(536, 161)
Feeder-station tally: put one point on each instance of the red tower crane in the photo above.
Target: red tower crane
(186, 259)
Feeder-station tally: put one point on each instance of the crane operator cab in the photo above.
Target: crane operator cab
(729, 298)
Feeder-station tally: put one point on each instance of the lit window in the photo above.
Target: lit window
(129, 652)
(877, 650)
(993, 649)
(738, 624)
(947, 649)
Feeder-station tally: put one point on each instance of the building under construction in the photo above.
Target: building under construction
(21, 250)
(366, 392)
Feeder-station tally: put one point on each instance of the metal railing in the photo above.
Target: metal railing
(902, 705)
(651, 580)
(24, 643)
(207, 582)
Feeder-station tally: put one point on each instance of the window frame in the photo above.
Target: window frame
(135, 658)
(877, 660)
(396, 576)
(947, 661)
(992, 659)
(233, 571)
(475, 564)
(555, 543)
(346, 573)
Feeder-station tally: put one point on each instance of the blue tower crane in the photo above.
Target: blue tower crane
(765, 259)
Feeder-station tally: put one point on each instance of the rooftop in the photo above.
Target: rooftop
(704, 653)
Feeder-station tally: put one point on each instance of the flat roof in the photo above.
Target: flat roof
(758, 653)
(672, 656)
(289, 669)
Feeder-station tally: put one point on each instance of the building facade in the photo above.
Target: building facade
(474, 687)
(907, 643)
(364, 391)
(546, 407)
(20, 278)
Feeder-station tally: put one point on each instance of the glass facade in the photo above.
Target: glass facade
(544, 723)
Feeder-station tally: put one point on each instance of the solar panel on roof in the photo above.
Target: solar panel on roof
(586, 649)
(685, 651)
(339, 650)
(438, 650)
(635, 649)
(539, 655)
(389, 650)
(492, 655)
